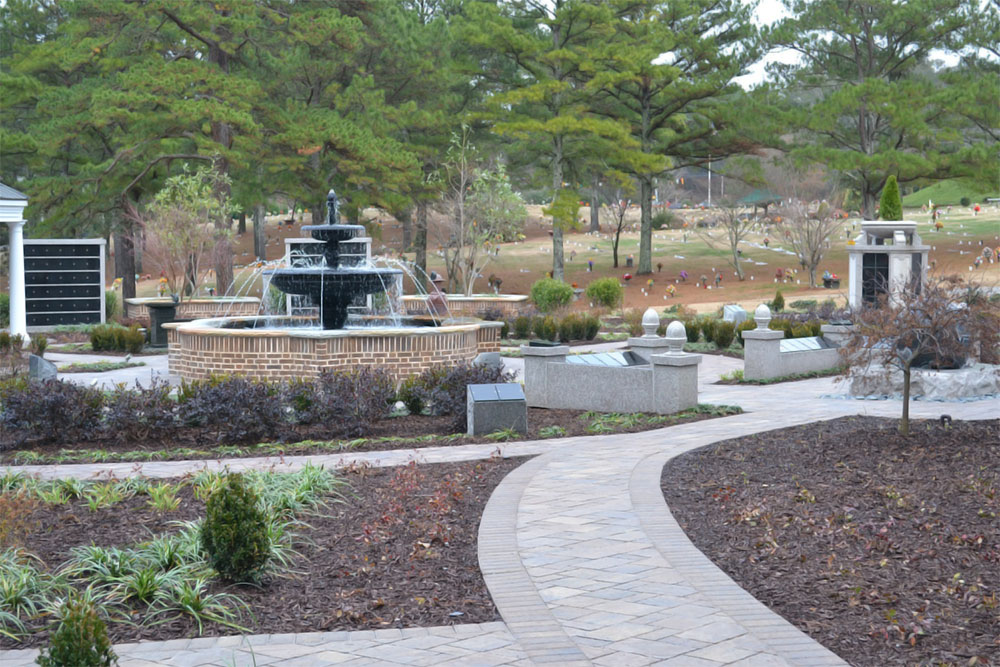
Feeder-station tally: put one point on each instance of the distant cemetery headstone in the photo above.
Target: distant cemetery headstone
(735, 314)
(64, 281)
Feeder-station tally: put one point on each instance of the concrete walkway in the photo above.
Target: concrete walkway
(579, 550)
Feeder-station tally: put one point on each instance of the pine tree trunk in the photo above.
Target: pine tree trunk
(557, 232)
(125, 265)
(420, 245)
(646, 225)
(241, 228)
(405, 218)
(259, 237)
(595, 206)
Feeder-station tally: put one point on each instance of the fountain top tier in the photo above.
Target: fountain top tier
(331, 286)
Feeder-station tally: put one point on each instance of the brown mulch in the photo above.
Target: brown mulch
(407, 426)
(399, 551)
(883, 548)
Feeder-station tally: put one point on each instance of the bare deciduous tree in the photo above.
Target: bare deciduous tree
(482, 211)
(732, 225)
(808, 228)
(179, 227)
(939, 324)
(617, 190)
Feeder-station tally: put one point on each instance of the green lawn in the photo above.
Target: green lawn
(947, 193)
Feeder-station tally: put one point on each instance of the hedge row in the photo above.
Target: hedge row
(226, 409)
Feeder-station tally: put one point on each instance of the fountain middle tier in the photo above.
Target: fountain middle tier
(333, 289)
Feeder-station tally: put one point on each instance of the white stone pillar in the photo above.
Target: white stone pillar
(18, 313)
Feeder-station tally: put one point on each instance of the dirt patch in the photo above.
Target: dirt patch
(398, 551)
(885, 549)
(404, 432)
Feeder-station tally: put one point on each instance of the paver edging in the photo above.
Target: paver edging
(702, 574)
(512, 589)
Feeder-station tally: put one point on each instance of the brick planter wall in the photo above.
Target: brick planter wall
(199, 349)
(509, 305)
(195, 309)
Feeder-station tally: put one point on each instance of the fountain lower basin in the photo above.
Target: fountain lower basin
(279, 348)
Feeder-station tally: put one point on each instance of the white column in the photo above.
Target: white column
(18, 313)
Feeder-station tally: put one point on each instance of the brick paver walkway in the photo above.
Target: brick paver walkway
(579, 550)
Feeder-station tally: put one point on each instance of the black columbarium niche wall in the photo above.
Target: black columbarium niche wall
(64, 281)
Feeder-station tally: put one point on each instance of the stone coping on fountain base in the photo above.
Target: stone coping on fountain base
(194, 309)
(508, 305)
(201, 348)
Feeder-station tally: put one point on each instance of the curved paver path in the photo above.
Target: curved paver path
(579, 550)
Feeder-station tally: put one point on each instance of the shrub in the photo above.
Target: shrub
(778, 304)
(708, 325)
(353, 400)
(724, 333)
(409, 394)
(692, 329)
(443, 388)
(51, 410)
(80, 638)
(745, 325)
(131, 340)
(665, 220)
(235, 408)
(803, 304)
(965, 201)
(4, 309)
(110, 304)
(781, 324)
(103, 338)
(505, 330)
(591, 325)
(114, 338)
(546, 328)
(606, 292)
(140, 414)
(799, 331)
(16, 517)
(569, 328)
(522, 327)
(633, 320)
(234, 532)
(39, 343)
(890, 205)
(549, 294)
(815, 327)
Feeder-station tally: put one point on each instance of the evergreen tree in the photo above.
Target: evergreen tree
(891, 205)
(668, 72)
(540, 53)
(865, 100)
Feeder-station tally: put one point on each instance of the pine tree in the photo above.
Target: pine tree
(668, 73)
(540, 52)
(866, 99)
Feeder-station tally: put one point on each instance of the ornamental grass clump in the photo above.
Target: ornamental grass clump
(80, 639)
(234, 532)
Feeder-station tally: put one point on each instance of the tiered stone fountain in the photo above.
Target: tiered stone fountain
(282, 347)
(332, 286)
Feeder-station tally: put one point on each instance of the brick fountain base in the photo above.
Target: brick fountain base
(203, 347)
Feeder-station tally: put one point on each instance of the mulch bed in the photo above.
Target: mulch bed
(399, 551)
(883, 548)
(407, 426)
